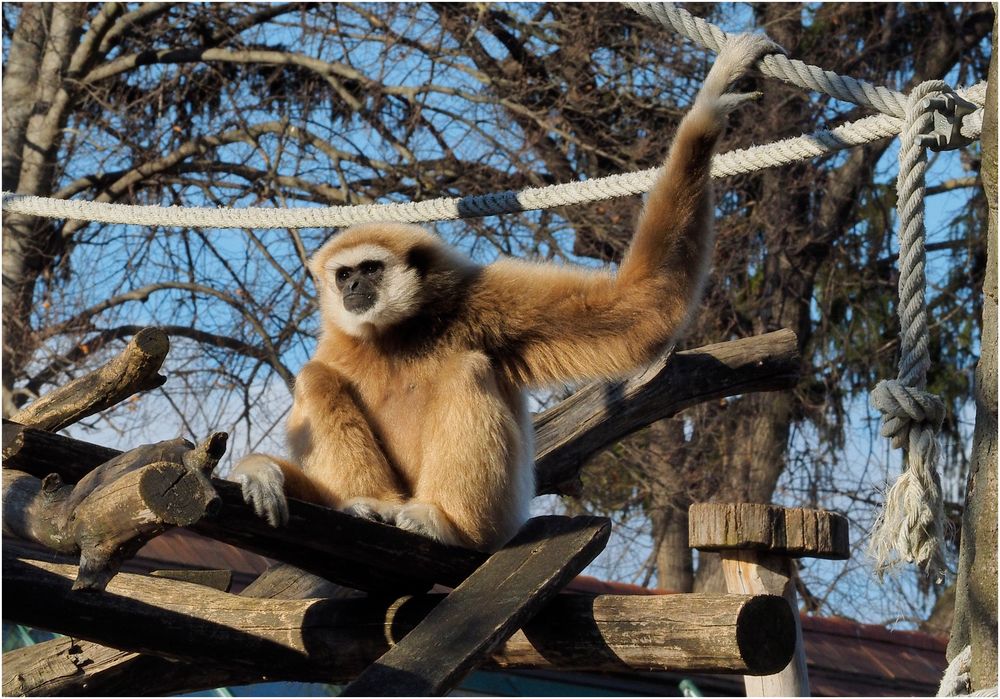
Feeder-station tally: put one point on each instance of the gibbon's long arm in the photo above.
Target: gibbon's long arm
(559, 323)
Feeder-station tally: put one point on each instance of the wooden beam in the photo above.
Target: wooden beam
(600, 414)
(132, 371)
(757, 543)
(74, 667)
(230, 639)
(486, 609)
(116, 508)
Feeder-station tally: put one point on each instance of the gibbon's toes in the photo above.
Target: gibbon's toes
(427, 520)
(364, 511)
(368, 508)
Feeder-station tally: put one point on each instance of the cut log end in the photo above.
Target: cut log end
(765, 634)
(789, 531)
(176, 494)
(152, 342)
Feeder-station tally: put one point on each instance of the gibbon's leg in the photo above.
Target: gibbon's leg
(476, 480)
(342, 465)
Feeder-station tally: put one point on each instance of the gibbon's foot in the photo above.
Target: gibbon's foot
(263, 486)
(427, 520)
(372, 509)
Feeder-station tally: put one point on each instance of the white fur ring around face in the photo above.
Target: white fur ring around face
(263, 486)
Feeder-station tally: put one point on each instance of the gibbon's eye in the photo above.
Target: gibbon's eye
(370, 267)
(343, 273)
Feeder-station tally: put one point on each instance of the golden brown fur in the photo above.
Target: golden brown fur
(413, 412)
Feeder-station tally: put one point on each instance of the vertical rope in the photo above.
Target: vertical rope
(910, 527)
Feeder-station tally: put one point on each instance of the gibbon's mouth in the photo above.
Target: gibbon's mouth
(358, 303)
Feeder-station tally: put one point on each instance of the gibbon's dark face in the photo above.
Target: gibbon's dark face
(359, 286)
(367, 286)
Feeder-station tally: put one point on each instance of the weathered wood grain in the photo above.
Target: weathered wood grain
(132, 371)
(114, 509)
(218, 579)
(334, 640)
(75, 667)
(486, 609)
(602, 413)
(791, 531)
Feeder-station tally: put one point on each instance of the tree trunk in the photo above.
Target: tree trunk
(35, 112)
(976, 587)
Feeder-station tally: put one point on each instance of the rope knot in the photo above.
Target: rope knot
(904, 408)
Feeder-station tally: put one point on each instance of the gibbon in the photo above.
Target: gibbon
(412, 411)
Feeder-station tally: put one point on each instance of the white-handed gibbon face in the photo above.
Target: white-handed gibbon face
(368, 287)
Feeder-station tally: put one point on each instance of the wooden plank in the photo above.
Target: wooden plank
(486, 609)
(789, 531)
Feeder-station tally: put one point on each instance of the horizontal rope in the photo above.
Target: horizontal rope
(734, 162)
(449, 208)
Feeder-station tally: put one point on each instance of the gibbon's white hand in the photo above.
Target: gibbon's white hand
(263, 486)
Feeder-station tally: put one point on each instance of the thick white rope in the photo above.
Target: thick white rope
(957, 680)
(776, 65)
(910, 526)
(735, 162)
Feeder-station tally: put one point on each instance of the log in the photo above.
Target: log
(40, 453)
(132, 371)
(117, 507)
(602, 413)
(75, 667)
(347, 550)
(486, 609)
(332, 640)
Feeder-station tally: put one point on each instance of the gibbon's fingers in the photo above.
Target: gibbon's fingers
(733, 100)
(263, 486)
(739, 54)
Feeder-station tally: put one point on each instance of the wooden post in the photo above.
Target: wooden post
(757, 543)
